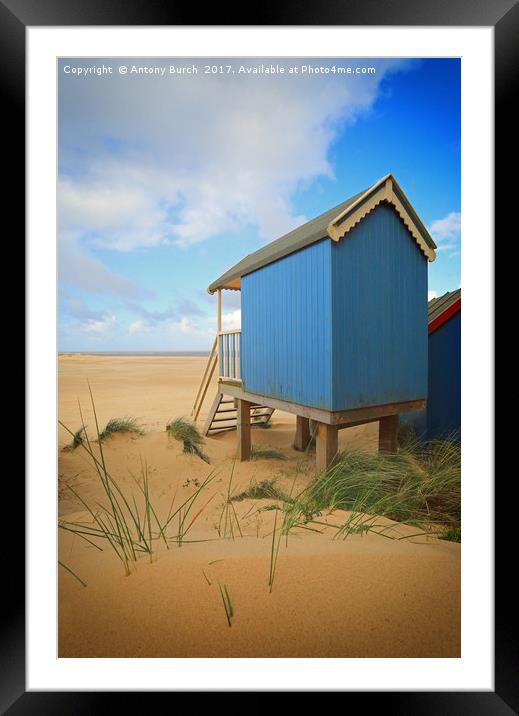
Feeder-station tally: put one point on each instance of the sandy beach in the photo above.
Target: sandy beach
(365, 596)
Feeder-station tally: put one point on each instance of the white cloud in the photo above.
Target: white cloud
(186, 327)
(117, 209)
(197, 158)
(137, 327)
(431, 295)
(100, 327)
(232, 320)
(446, 233)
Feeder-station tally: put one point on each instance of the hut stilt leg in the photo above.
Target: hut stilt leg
(244, 442)
(387, 434)
(326, 445)
(302, 436)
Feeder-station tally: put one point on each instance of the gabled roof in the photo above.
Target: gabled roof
(442, 308)
(334, 224)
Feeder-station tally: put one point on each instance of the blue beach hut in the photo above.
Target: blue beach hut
(442, 415)
(334, 325)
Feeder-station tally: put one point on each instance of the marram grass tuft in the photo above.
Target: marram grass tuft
(187, 433)
(120, 425)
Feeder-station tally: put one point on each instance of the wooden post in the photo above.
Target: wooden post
(326, 445)
(387, 434)
(219, 328)
(302, 433)
(244, 430)
(313, 427)
(219, 310)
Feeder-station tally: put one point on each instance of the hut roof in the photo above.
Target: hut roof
(334, 224)
(442, 308)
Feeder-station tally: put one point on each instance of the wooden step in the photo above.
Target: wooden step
(222, 429)
(229, 416)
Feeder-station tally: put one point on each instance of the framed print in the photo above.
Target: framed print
(259, 448)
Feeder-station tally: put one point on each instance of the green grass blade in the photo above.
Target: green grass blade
(72, 573)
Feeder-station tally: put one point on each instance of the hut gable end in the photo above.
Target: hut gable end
(379, 313)
(334, 224)
(388, 191)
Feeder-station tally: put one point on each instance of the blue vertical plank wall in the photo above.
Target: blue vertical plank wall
(379, 314)
(286, 328)
(340, 325)
(444, 400)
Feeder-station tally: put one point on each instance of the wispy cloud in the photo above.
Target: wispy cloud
(138, 327)
(80, 268)
(446, 233)
(183, 310)
(77, 308)
(100, 327)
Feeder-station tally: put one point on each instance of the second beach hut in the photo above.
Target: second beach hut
(334, 325)
(442, 416)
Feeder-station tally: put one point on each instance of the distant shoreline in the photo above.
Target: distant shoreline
(134, 353)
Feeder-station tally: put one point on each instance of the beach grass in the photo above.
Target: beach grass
(78, 438)
(129, 528)
(406, 436)
(184, 511)
(452, 535)
(229, 524)
(264, 489)
(187, 433)
(119, 425)
(121, 524)
(257, 453)
(274, 551)
(70, 571)
(417, 486)
(227, 603)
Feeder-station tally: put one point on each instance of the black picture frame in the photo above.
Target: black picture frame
(15, 17)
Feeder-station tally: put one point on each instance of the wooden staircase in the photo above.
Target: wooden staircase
(223, 415)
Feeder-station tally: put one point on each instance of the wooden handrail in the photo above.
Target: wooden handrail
(206, 379)
(229, 354)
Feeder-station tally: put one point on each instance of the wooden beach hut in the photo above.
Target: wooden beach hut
(334, 325)
(442, 415)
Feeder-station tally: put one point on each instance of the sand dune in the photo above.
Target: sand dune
(359, 597)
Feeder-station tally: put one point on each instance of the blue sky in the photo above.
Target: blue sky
(166, 180)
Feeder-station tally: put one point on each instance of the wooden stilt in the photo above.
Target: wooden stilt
(387, 434)
(313, 427)
(326, 445)
(302, 433)
(244, 443)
